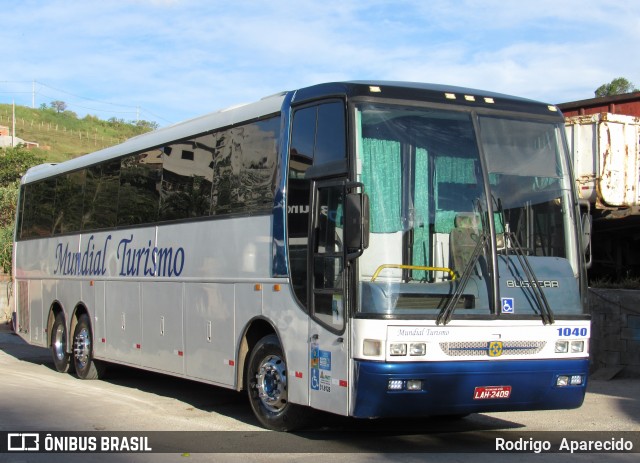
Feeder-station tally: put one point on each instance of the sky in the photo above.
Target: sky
(170, 60)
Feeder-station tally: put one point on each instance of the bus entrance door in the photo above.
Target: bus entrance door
(328, 342)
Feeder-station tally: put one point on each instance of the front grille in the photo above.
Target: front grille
(485, 348)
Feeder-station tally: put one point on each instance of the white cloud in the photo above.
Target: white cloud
(179, 58)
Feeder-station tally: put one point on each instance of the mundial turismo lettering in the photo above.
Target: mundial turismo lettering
(147, 260)
(90, 262)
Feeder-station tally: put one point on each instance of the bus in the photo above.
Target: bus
(369, 249)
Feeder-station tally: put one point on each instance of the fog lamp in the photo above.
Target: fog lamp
(562, 381)
(395, 385)
(576, 380)
(414, 385)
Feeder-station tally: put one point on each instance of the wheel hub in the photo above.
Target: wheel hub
(271, 383)
(82, 347)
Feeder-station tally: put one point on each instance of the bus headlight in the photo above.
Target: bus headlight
(577, 346)
(417, 349)
(562, 347)
(397, 349)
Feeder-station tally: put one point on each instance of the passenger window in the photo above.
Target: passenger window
(138, 200)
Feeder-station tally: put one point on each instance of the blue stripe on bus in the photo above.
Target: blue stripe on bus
(448, 387)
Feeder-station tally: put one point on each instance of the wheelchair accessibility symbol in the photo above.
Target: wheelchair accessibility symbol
(315, 379)
(507, 305)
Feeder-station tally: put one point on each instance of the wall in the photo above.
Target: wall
(5, 311)
(615, 339)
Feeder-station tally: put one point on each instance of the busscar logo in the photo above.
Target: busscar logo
(533, 284)
(23, 442)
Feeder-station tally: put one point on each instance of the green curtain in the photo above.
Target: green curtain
(421, 235)
(455, 170)
(383, 182)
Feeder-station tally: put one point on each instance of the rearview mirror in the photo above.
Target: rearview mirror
(356, 227)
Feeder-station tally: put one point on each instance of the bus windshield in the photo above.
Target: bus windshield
(430, 194)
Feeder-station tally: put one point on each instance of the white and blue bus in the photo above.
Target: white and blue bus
(371, 249)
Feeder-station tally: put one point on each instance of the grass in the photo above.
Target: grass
(63, 136)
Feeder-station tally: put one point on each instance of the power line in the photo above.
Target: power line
(133, 109)
(90, 109)
(82, 97)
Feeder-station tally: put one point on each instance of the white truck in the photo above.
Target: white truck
(606, 161)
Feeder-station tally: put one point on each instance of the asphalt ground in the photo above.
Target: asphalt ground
(187, 419)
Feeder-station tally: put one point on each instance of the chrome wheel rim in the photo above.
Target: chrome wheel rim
(271, 383)
(59, 343)
(81, 348)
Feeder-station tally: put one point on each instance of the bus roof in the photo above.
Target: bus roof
(227, 117)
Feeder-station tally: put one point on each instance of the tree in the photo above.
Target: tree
(58, 105)
(617, 86)
(14, 162)
(147, 125)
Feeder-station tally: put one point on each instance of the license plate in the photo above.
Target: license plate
(491, 392)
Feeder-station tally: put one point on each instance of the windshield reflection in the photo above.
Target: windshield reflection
(422, 171)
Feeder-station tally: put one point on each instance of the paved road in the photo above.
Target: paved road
(33, 397)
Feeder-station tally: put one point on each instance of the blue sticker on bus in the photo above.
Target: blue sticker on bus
(315, 379)
(507, 305)
(325, 360)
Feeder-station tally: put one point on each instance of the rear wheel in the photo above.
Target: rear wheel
(267, 386)
(86, 366)
(61, 358)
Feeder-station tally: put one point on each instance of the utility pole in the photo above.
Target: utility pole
(33, 95)
(13, 130)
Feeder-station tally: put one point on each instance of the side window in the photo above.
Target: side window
(69, 199)
(300, 160)
(138, 198)
(259, 160)
(226, 168)
(244, 163)
(328, 261)
(317, 149)
(187, 175)
(39, 202)
(331, 142)
(101, 196)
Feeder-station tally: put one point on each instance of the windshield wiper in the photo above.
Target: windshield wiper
(545, 309)
(446, 313)
(541, 299)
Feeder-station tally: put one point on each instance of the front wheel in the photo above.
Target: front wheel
(86, 366)
(266, 382)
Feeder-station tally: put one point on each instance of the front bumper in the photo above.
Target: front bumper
(449, 387)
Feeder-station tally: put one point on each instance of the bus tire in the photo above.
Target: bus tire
(85, 365)
(266, 383)
(61, 358)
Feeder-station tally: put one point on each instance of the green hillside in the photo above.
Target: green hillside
(62, 135)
